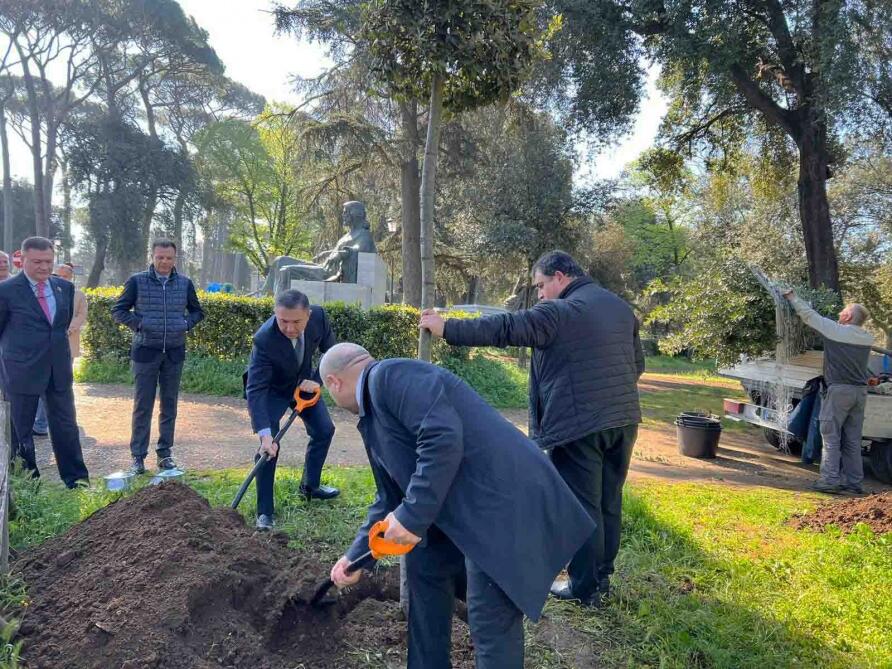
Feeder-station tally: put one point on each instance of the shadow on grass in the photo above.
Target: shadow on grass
(673, 605)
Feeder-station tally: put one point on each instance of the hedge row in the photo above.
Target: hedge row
(389, 331)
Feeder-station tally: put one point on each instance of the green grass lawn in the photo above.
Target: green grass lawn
(673, 394)
(681, 366)
(708, 575)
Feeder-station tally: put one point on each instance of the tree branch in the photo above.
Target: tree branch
(786, 48)
(762, 102)
(690, 135)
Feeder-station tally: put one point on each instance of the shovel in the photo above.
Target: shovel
(300, 403)
(378, 548)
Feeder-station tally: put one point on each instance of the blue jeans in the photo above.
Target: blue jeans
(41, 426)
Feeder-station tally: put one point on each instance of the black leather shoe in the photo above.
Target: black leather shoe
(137, 467)
(167, 463)
(561, 590)
(850, 489)
(322, 492)
(264, 523)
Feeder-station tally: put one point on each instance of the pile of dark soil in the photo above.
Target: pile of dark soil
(161, 580)
(873, 510)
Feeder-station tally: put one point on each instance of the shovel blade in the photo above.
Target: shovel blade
(321, 591)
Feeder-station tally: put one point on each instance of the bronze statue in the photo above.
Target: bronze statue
(338, 264)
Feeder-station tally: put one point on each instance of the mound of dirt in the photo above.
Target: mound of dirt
(162, 580)
(873, 510)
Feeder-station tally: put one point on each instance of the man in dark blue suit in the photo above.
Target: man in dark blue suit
(282, 361)
(35, 312)
(478, 498)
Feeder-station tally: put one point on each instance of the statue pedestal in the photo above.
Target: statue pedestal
(369, 291)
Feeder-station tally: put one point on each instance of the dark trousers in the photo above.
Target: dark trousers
(320, 430)
(595, 468)
(436, 573)
(63, 432)
(147, 378)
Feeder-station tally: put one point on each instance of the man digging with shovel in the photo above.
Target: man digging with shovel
(477, 499)
(281, 362)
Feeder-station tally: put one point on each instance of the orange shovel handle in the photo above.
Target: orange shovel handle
(379, 546)
(302, 403)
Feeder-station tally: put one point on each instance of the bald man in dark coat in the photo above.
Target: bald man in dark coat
(476, 495)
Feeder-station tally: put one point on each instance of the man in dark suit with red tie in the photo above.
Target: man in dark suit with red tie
(35, 312)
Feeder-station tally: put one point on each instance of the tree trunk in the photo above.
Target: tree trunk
(428, 194)
(152, 198)
(814, 210)
(66, 212)
(178, 221)
(98, 262)
(49, 172)
(525, 303)
(8, 221)
(41, 220)
(473, 295)
(410, 187)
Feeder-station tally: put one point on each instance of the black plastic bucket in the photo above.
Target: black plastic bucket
(698, 434)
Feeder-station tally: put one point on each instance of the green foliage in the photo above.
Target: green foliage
(22, 198)
(103, 370)
(119, 167)
(482, 49)
(872, 287)
(723, 312)
(516, 198)
(500, 382)
(206, 376)
(225, 333)
(389, 331)
(736, 73)
(254, 167)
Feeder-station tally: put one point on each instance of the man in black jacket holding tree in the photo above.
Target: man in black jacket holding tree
(584, 406)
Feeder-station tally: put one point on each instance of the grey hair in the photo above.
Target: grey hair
(4, 254)
(860, 314)
(340, 356)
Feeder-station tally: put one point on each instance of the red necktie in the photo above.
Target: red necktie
(41, 297)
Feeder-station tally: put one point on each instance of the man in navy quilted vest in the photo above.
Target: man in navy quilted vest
(160, 306)
(584, 407)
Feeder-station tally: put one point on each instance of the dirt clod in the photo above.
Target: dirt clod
(160, 579)
(873, 510)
